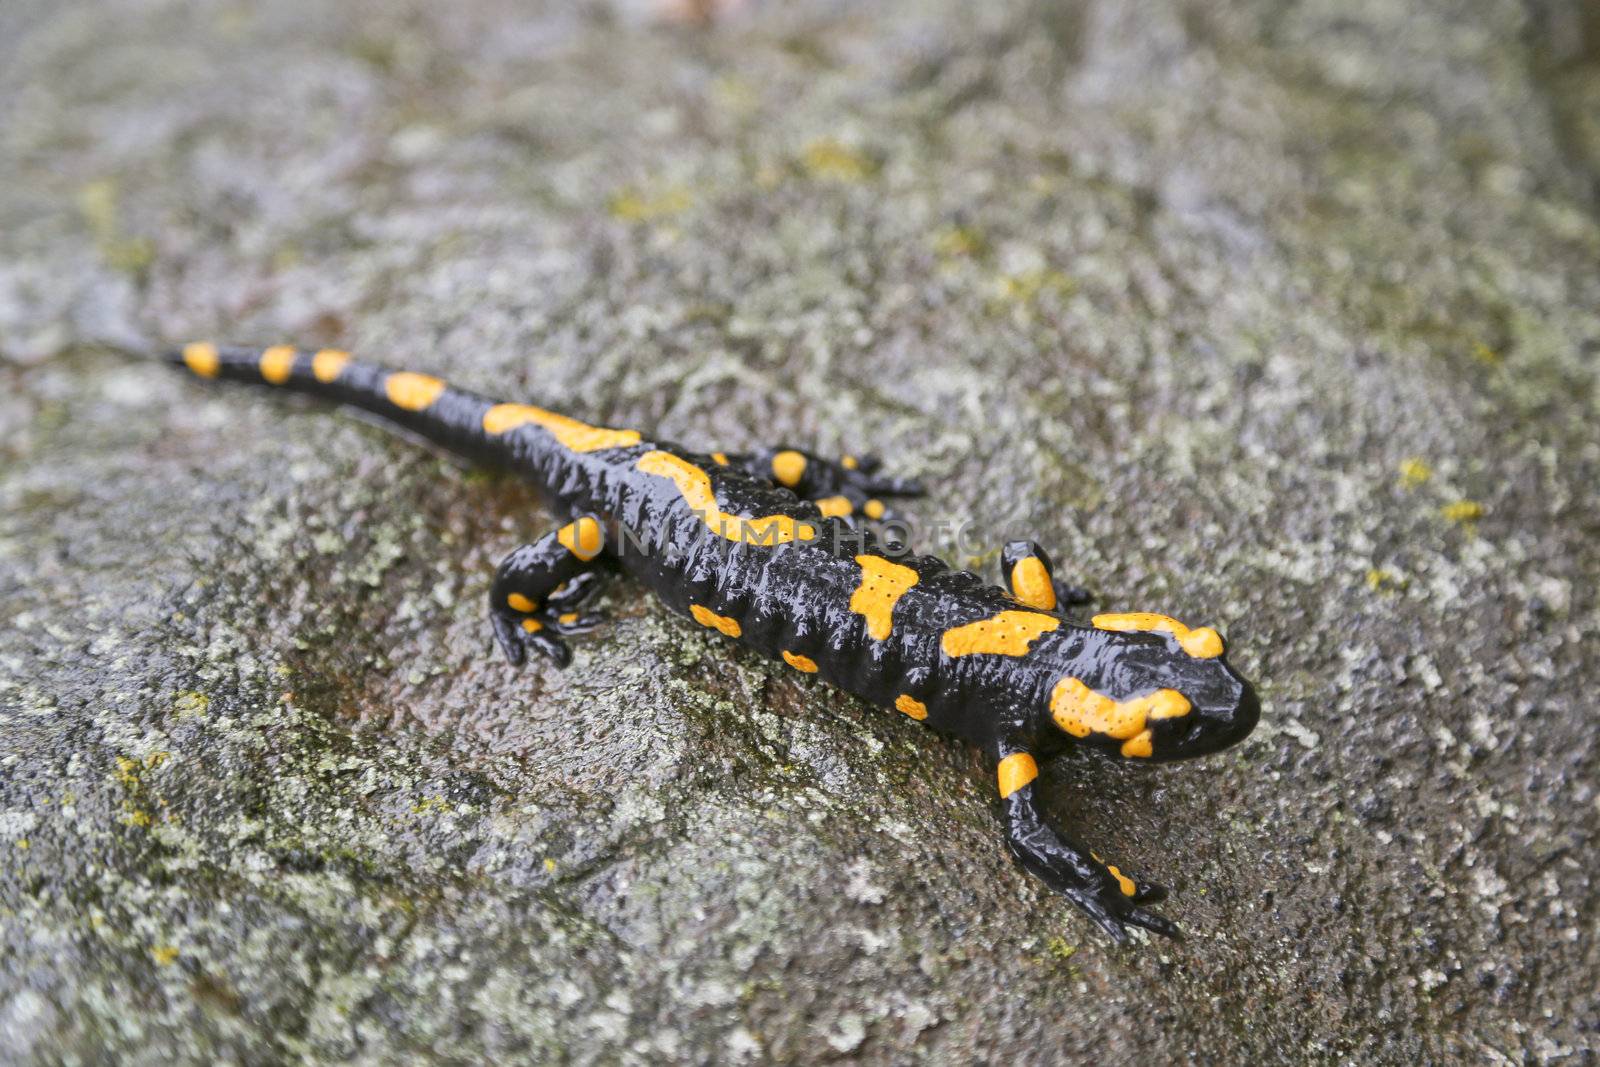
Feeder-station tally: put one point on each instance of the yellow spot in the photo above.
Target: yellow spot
(130, 254)
(706, 617)
(800, 663)
(127, 771)
(1124, 883)
(164, 954)
(957, 241)
(22, 843)
(695, 485)
(721, 458)
(550, 865)
(414, 392)
(1462, 511)
(328, 364)
(532, 626)
(830, 159)
(1484, 354)
(1201, 643)
(567, 618)
(1139, 744)
(98, 202)
(636, 206)
(883, 583)
(1414, 471)
(1016, 771)
(873, 509)
(1009, 633)
(911, 706)
(1058, 947)
(572, 434)
(1080, 711)
(1031, 584)
(1378, 578)
(518, 602)
(835, 507)
(277, 363)
(583, 538)
(788, 467)
(201, 357)
(849, 463)
(1026, 287)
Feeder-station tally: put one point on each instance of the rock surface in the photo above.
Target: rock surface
(1282, 318)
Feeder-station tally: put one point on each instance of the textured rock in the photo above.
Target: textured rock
(1282, 318)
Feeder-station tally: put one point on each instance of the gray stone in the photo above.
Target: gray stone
(1281, 318)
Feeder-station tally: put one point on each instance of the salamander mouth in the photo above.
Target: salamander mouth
(1208, 733)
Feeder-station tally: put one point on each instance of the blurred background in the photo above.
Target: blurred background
(1278, 317)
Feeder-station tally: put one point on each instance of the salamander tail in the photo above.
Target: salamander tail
(421, 403)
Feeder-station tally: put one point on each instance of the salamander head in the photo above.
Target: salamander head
(1152, 688)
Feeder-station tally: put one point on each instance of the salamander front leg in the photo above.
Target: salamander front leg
(1108, 896)
(844, 488)
(1031, 578)
(539, 588)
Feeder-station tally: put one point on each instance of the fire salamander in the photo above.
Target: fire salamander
(777, 550)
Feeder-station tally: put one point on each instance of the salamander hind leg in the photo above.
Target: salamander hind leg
(849, 487)
(1103, 892)
(1030, 576)
(539, 589)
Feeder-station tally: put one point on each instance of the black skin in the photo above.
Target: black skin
(555, 580)
(1068, 867)
(808, 597)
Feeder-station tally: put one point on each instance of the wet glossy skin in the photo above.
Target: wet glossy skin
(771, 549)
